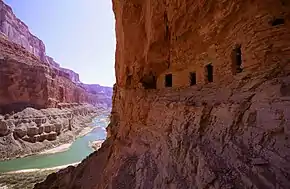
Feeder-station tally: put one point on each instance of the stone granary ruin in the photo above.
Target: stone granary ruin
(245, 47)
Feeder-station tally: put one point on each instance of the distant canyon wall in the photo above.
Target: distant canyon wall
(18, 32)
(29, 78)
(25, 82)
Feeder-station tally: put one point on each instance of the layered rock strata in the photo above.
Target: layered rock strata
(201, 100)
(32, 79)
(42, 103)
(31, 131)
(26, 82)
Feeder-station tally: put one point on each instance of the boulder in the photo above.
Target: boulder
(29, 139)
(42, 137)
(3, 128)
(39, 121)
(52, 128)
(25, 121)
(20, 131)
(58, 128)
(40, 129)
(26, 138)
(52, 136)
(37, 137)
(32, 124)
(32, 131)
(47, 128)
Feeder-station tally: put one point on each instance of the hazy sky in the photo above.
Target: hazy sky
(78, 34)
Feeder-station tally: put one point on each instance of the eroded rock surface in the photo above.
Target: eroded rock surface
(229, 130)
(31, 131)
(42, 104)
(29, 78)
(27, 82)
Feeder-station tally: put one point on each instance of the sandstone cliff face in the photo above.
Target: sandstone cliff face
(229, 130)
(18, 32)
(41, 103)
(32, 79)
(26, 82)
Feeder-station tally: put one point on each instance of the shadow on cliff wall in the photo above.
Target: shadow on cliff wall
(17, 107)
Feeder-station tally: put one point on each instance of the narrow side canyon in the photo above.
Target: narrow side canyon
(202, 99)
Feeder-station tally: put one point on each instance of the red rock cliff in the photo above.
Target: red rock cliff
(29, 78)
(25, 81)
(18, 32)
(201, 100)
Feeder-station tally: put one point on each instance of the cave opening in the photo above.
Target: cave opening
(149, 81)
(192, 77)
(168, 80)
(129, 80)
(209, 73)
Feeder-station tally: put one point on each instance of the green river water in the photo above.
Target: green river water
(77, 152)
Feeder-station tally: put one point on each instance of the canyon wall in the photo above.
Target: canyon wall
(40, 106)
(26, 82)
(29, 78)
(31, 131)
(18, 32)
(225, 126)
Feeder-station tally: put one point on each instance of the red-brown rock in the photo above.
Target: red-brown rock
(29, 78)
(229, 130)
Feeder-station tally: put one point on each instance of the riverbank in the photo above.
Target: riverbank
(65, 147)
(63, 155)
(13, 147)
(23, 180)
(96, 144)
(61, 148)
(41, 170)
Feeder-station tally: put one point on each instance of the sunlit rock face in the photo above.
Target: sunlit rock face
(18, 32)
(27, 82)
(31, 131)
(201, 99)
(14, 30)
(29, 78)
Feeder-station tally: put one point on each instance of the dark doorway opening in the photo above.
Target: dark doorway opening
(192, 76)
(149, 81)
(277, 21)
(237, 59)
(168, 80)
(209, 69)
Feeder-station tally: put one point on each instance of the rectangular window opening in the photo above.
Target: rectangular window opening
(209, 69)
(168, 80)
(192, 76)
(237, 59)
